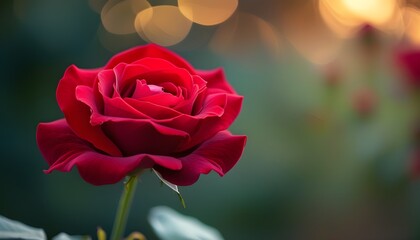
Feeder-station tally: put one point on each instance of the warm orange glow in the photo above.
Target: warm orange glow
(412, 24)
(118, 15)
(269, 37)
(207, 12)
(243, 33)
(345, 16)
(376, 12)
(307, 32)
(337, 18)
(164, 25)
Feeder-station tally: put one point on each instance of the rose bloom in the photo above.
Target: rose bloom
(146, 108)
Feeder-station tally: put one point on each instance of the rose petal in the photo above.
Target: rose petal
(115, 107)
(155, 63)
(135, 136)
(106, 82)
(193, 97)
(216, 80)
(154, 111)
(63, 149)
(184, 131)
(212, 122)
(143, 90)
(118, 107)
(218, 113)
(150, 50)
(162, 99)
(178, 76)
(219, 154)
(170, 88)
(78, 114)
(195, 126)
(126, 76)
(213, 105)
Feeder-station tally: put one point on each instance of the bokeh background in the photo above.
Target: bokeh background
(331, 110)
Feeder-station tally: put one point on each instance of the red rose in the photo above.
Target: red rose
(146, 108)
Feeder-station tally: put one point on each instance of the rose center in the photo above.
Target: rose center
(154, 89)
(141, 89)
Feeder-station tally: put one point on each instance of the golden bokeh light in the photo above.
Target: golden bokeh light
(118, 15)
(412, 22)
(338, 18)
(310, 36)
(344, 17)
(164, 25)
(376, 12)
(244, 33)
(207, 12)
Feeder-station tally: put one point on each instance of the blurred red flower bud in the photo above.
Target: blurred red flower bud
(414, 164)
(364, 102)
(409, 63)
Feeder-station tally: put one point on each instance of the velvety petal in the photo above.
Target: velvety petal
(126, 76)
(150, 50)
(163, 99)
(113, 104)
(106, 82)
(193, 97)
(135, 136)
(179, 77)
(118, 107)
(219, 154)
(214, 105)
(57, 141)
(155, 63)
(63, 150)
(216, 80)
(199, 101)
(219, 111)
(212, 122)
(171, 88)
(154, 111)
(114, 107)
(77, 113)
(143, 90)
(194, 125)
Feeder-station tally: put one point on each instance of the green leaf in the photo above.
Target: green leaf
(10, 229)
(171, 186)
(65, 236)
(181, 199)
(170, 225)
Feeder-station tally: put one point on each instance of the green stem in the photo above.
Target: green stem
(124, 207)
